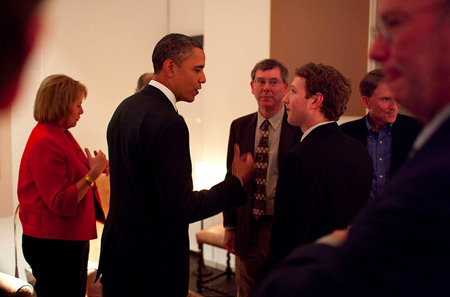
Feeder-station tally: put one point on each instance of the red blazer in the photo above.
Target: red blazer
(51, 165)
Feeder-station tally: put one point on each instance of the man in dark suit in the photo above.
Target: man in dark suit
(387, 135)
(248, 236)
(325, 179)
(400, 245)
(145, 244)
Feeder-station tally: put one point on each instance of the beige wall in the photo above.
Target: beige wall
(236, 37)
(323, 31)
(6, 203)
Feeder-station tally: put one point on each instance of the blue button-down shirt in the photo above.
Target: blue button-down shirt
(379, 145)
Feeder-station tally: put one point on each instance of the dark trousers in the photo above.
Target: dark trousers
(59, 266)
(249, 265)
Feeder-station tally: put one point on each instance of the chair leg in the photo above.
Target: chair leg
(228, 269)
(200, 265)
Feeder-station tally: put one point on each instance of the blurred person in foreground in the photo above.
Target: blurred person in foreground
(59, 201)
(146, 240)
(19, 23)
(400, 245)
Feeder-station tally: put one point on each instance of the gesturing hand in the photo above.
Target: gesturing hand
(243, 166)
(98, 163)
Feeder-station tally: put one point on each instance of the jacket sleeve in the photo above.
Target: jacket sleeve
(174, 179)
(230, 216)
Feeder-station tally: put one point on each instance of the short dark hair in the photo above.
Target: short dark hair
(177, 47)
(54, 97)
(334, 87)
(269, 64)
(370, 82)
(143, 80)
(15, 24)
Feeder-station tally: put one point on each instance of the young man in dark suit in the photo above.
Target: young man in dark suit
(248, 235)
(325, 179)
(387, 135)
(400, 245)
(145, 243)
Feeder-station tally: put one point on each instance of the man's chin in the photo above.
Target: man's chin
(187, 99)
(291, 121)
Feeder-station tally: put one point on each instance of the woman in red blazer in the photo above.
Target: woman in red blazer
(56, 190)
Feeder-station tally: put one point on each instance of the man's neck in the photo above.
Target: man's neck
(162, 80)
(313, 121)
(376, 125)
(268, 113)
(311, 128)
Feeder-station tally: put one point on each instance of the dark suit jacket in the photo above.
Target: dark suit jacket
(324, 181)
(398, 247)
(145, 242)
(404, 130)
(242, 132)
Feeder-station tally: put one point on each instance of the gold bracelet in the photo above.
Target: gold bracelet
(89, 180)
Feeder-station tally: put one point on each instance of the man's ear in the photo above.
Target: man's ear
(168, 68)
(317, 100)
(285, 88)
(251, 86)
(365, 101)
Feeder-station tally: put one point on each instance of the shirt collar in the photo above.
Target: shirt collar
(275, 120)
(166, 92)
(372, 130)
(314, 127)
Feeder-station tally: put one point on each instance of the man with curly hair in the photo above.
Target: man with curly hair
(326, 178)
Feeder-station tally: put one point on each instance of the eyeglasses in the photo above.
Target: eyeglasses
(389, 25)
(272, 82)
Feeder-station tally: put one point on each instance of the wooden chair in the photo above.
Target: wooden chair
(214, 237)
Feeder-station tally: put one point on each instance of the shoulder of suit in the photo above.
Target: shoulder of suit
(354, 128)
(354, 123)
(407, 123)
(408, 119)
(149, 96)
(48, 130)
(246, 118)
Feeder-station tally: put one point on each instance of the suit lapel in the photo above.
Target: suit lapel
(361, 130)
(248, 135)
